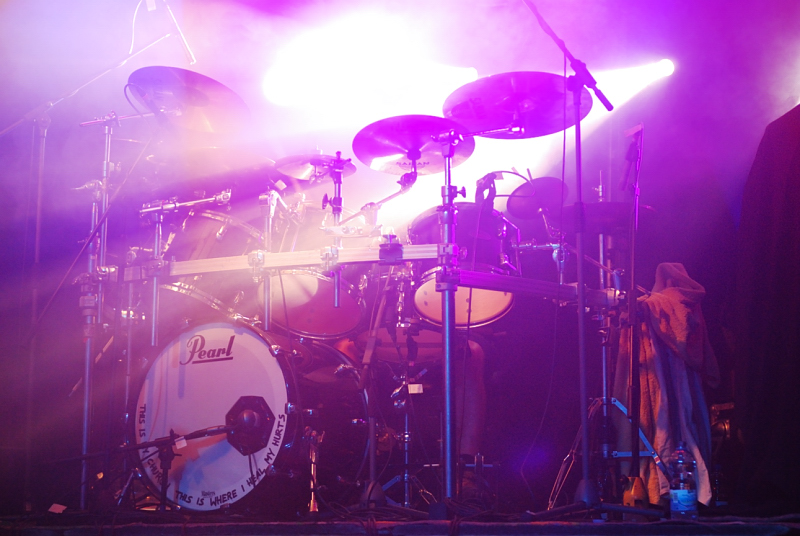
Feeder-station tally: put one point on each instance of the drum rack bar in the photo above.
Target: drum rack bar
(325, 256)
(331, 256)
(544, 289)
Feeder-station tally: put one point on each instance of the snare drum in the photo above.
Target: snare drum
(204, 378)
(484, 242)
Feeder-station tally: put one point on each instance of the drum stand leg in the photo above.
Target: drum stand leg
(313, 439)
(402, 399)
(165, 456)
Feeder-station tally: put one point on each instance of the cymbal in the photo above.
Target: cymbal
(526, 200)
(210, 170)
(211, 161)
(391, 145)
(310, 167)
(188, 99)
(531, 103)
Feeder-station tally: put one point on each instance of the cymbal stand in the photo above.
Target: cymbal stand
(605, 276)
(269, 202)
(446, 284)
(337, 169)
(92, 294)
(39, 116)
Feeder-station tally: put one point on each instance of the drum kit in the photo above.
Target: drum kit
(259, 291)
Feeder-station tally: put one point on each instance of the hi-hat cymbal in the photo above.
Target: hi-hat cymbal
(188, 99)
(311, 167)
(542, 193)
(515, 105)
(394, 144)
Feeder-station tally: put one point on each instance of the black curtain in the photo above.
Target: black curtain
(767, 310)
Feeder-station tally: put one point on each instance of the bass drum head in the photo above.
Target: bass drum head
(192, 385)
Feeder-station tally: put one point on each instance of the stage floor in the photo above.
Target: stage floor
(168, 523)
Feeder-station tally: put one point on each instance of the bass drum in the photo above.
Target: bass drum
(209, 376)
(485, 245)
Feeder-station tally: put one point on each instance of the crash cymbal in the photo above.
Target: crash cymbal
(542, 193)
(516, 105)
(188, 99)
(390, 145)
(311, 167)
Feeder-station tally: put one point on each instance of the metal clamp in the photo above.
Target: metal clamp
(155, 267)
(256, 260)
(330, 257)
(448, 254)
(390, 252)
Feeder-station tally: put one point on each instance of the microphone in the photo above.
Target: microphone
(91, 185)
(484, 183)
(632, 155)
(247, 420)
(189, 55)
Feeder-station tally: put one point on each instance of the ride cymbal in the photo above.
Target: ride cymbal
(397, 144)
(515, 105)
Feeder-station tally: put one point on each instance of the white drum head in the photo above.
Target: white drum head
(474, 307)
(193, 383)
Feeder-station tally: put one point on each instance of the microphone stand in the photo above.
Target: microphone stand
(586, 496)
(42, 120)
(635, 390)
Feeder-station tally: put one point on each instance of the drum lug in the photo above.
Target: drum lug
(292, 409)
(223, 230)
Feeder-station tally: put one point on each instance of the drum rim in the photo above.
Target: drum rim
(294, 421)
(348, 288)
(429, 274)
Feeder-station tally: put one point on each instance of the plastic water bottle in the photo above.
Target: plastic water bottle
(683, 486)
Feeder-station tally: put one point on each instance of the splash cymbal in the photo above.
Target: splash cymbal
(393, 145)
(188, 99)
(515, 105)
(311, 167)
